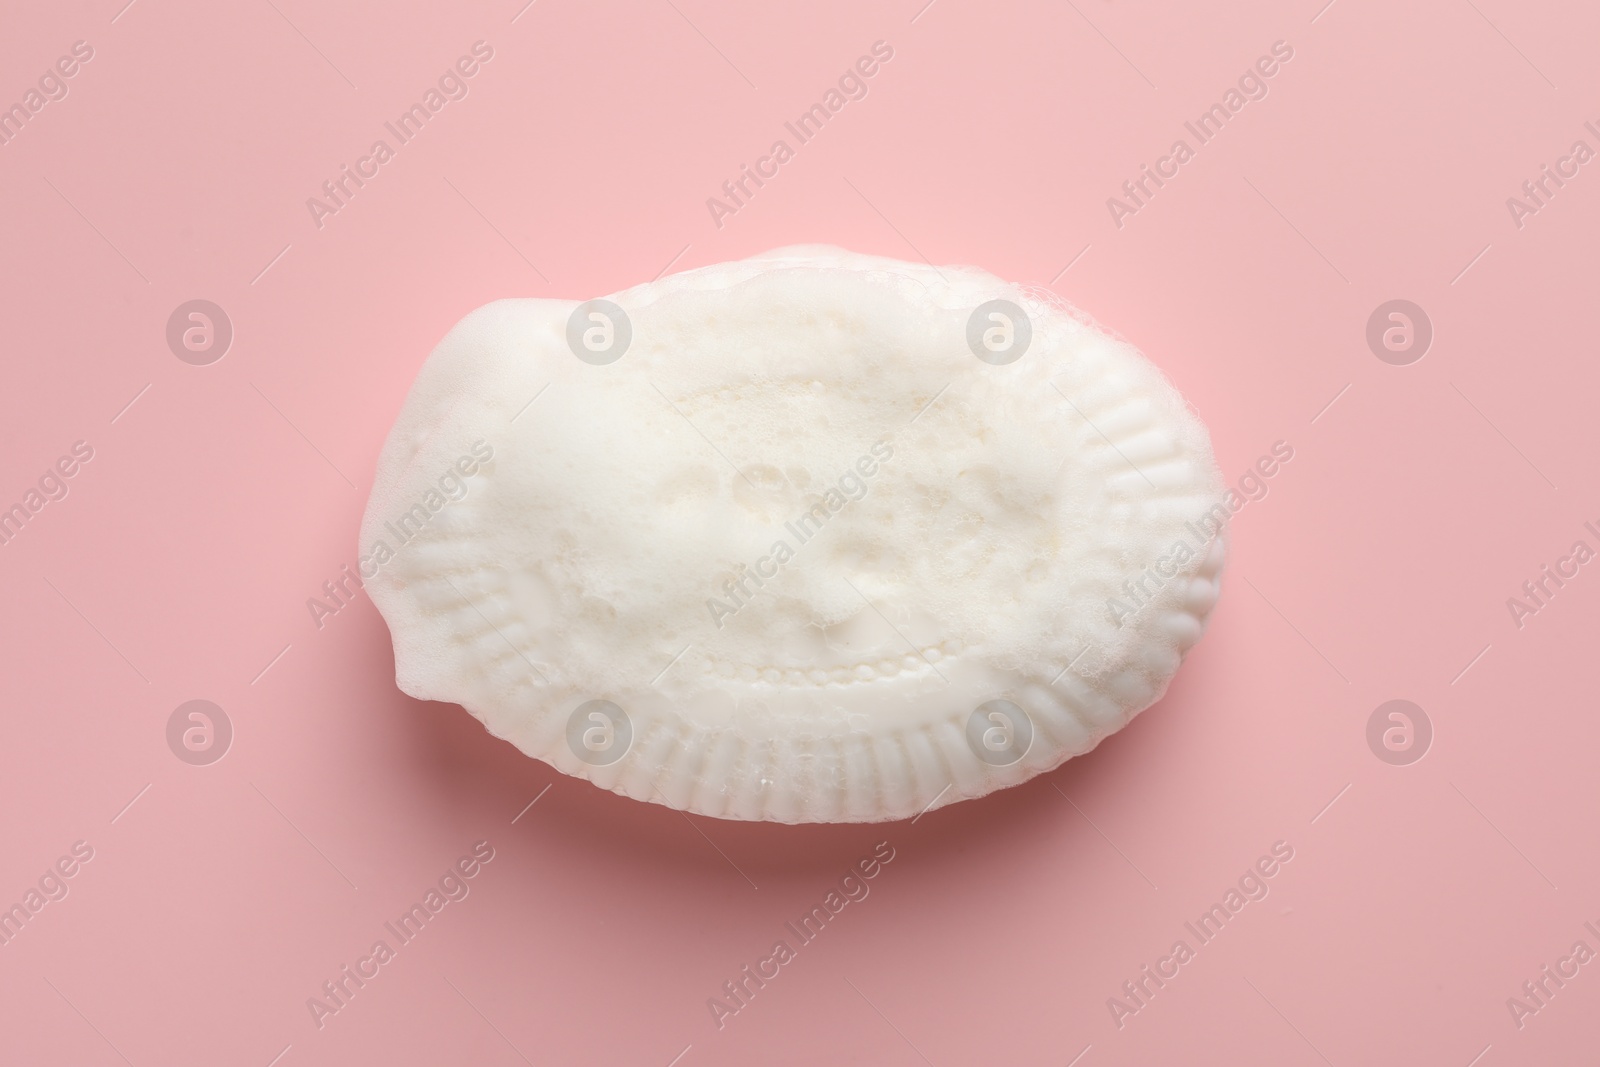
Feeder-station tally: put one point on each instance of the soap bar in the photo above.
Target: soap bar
(809, 537)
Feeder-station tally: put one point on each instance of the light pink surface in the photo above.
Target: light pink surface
(1419, 898)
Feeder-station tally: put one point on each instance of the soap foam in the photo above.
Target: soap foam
(977, 563)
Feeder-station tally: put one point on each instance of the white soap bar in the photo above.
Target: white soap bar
(810, 537)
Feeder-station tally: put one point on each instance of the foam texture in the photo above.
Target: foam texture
(546, 531)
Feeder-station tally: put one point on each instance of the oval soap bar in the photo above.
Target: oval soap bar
(810, 537)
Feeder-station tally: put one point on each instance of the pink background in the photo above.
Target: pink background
(1377, 568)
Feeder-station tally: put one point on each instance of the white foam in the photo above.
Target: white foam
(1006, 507)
